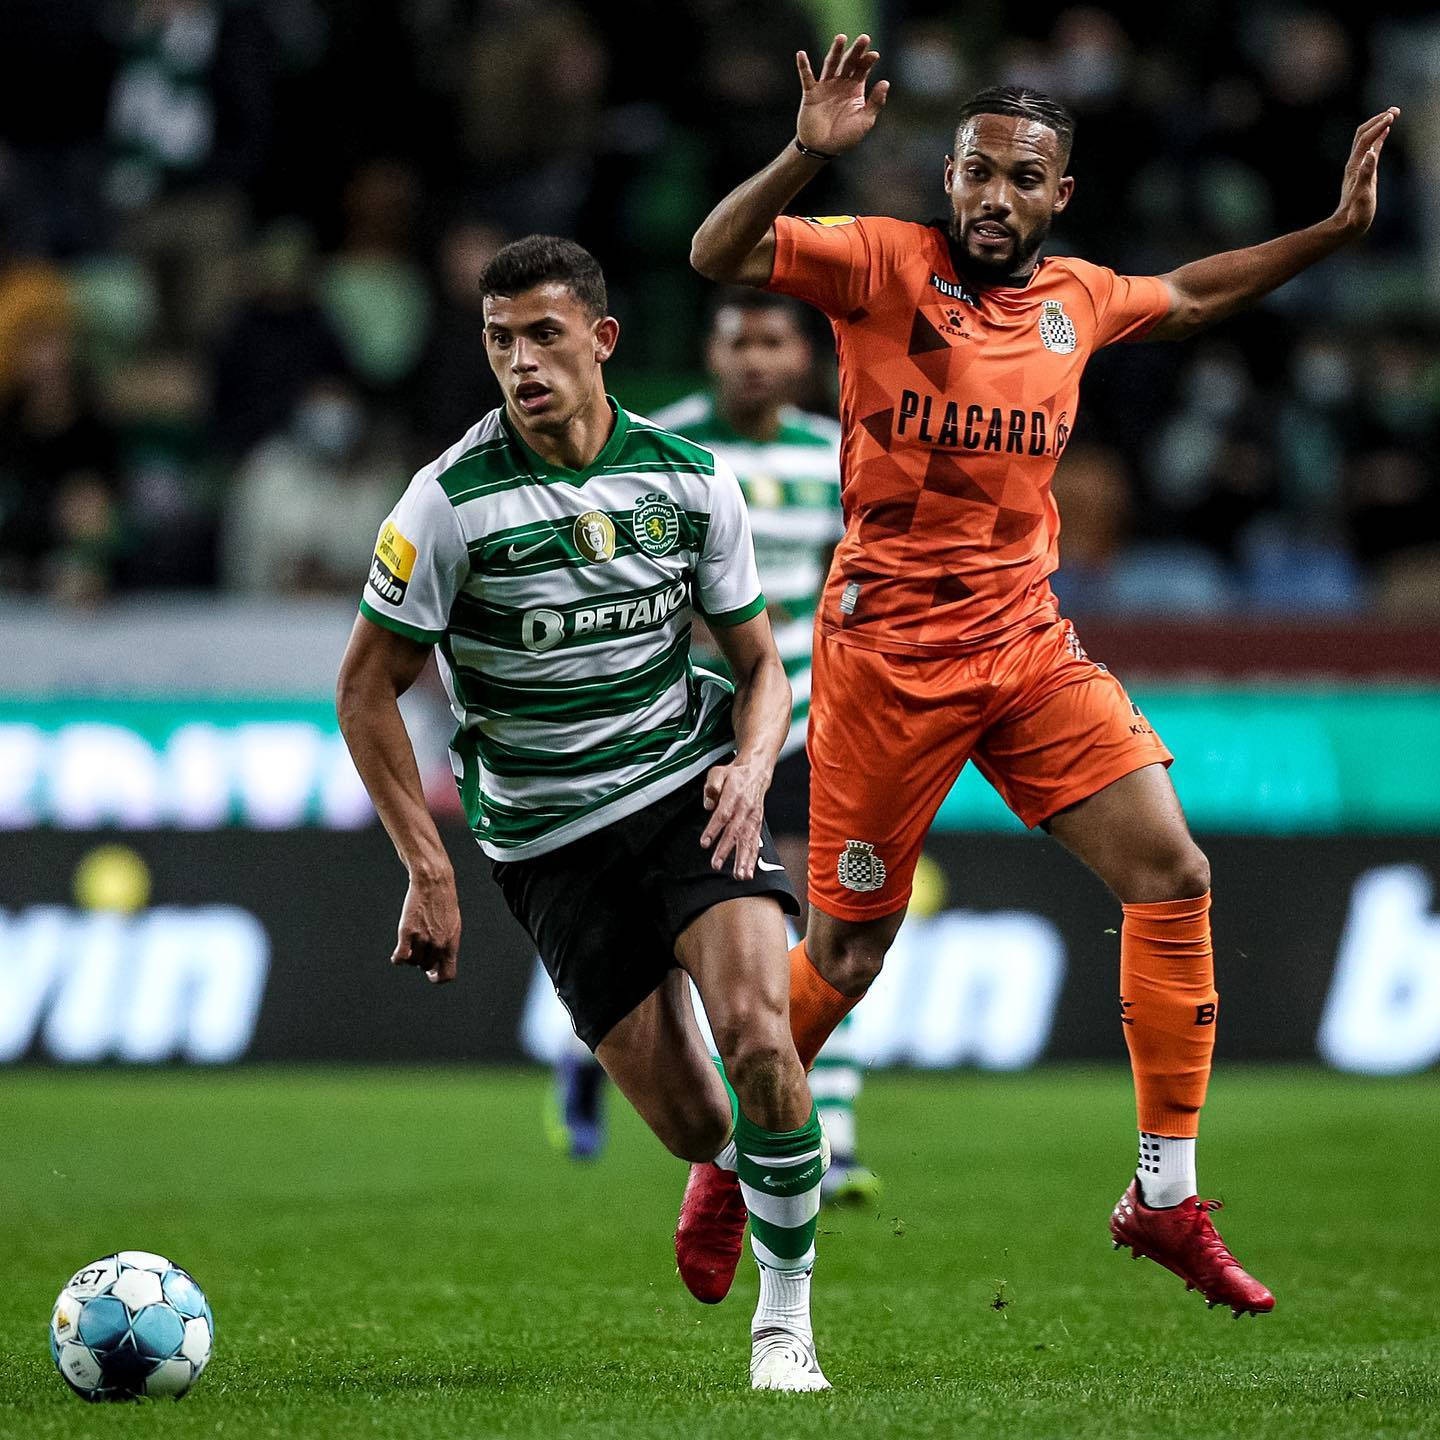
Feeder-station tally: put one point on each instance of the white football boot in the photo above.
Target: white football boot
(782, 1360)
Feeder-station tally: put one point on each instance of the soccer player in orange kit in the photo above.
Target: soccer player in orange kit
(938, 639)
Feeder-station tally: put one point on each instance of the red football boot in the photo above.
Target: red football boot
(1183, 1240)
(710, 1232)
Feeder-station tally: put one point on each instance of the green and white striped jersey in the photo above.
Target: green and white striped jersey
(792, 488)
(561, 602)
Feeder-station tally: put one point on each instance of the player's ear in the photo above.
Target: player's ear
(949, 172)
(606, 334)
(1063, 191)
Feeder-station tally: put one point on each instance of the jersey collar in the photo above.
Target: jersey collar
(541, 468)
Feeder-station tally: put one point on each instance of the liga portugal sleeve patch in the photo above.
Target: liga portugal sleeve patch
(392, 566)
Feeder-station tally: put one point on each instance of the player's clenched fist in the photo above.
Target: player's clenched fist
(429, 933)
(835, 112)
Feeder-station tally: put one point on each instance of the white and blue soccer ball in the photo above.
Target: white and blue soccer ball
(131, 1325)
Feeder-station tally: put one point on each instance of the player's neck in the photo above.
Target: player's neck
(575, 445)
(760, 425)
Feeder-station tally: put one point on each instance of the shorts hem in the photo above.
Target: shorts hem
(857, 912)
(592, 1033)
(1092, 784)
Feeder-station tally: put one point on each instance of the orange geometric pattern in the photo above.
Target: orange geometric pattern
(955, 406)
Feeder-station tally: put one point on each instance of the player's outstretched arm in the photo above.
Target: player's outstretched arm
(736, 242)
(1211, 289)
(378, 668)
(735, 793)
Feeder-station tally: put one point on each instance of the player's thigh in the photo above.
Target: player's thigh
(738, 954)
(659, 1060)
(1066, 730)
(888, 736)
(1133, 835)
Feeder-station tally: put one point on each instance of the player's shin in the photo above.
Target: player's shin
(780, 1175)
(1168, 1005)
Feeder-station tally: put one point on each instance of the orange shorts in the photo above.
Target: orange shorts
(1045, 725)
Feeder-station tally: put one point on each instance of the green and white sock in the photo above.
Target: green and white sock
(835, 1082)
(780, 1179)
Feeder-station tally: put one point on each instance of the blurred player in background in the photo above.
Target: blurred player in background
(553, 556)
(759, 357)
(939, 641)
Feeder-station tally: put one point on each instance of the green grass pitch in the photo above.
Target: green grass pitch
(399, 1254)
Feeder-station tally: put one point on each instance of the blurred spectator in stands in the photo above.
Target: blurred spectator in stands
(33, 294)
(1100, 570)
(531, 99)
(375, 294)
(55, 66)
(310, 500)
(189, 125)
(59, 524)
(453, 385)
(279, 343)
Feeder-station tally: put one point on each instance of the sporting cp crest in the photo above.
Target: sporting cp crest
(860, 867)
(656, 523)
(595, 536)
(1056, 331)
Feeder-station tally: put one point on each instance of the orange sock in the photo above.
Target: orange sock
(1168, 1003)
(816, 1006)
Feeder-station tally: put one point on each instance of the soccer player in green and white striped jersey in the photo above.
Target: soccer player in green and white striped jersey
(759, 357)
(554, 558)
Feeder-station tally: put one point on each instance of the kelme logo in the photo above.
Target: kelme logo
(594, 535)
(656, 523)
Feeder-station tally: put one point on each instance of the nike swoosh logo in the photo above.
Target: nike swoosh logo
(763, 864)
(516, 554)
(773, 1184)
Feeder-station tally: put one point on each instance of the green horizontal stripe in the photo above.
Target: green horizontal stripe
(725, 618)
(550, 544)
(389, 622)
(522, 825)
(519, 760)
(782, 1240)
(612, 694)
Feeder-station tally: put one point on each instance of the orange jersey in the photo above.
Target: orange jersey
(956, 405)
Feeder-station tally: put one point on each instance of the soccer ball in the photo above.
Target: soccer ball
(131, 1325)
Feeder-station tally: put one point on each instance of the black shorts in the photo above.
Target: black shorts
(605, 911)
(787, 806)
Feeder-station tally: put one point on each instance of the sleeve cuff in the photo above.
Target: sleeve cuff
(389, 622)
(726, 618)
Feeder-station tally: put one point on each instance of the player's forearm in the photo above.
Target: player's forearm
(761, 714)
(731, 233)
(380, 746)
(1220, 285)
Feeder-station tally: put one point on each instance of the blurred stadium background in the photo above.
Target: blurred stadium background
(239, 242)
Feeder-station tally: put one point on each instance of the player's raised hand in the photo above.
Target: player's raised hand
(429, 932)
(835, 112)
(1356, 210)
(735, 797)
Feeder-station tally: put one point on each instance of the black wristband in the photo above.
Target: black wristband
(812, 154)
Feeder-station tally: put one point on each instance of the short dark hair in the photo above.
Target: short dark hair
(1029, 104)
(540, 259)
(751, 301)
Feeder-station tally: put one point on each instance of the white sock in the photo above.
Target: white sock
(784, 1301)
(1166, 1170)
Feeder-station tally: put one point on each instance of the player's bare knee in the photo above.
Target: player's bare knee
(850, 963)
(1182, 874)
(764, 1070)
(1191, 874)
